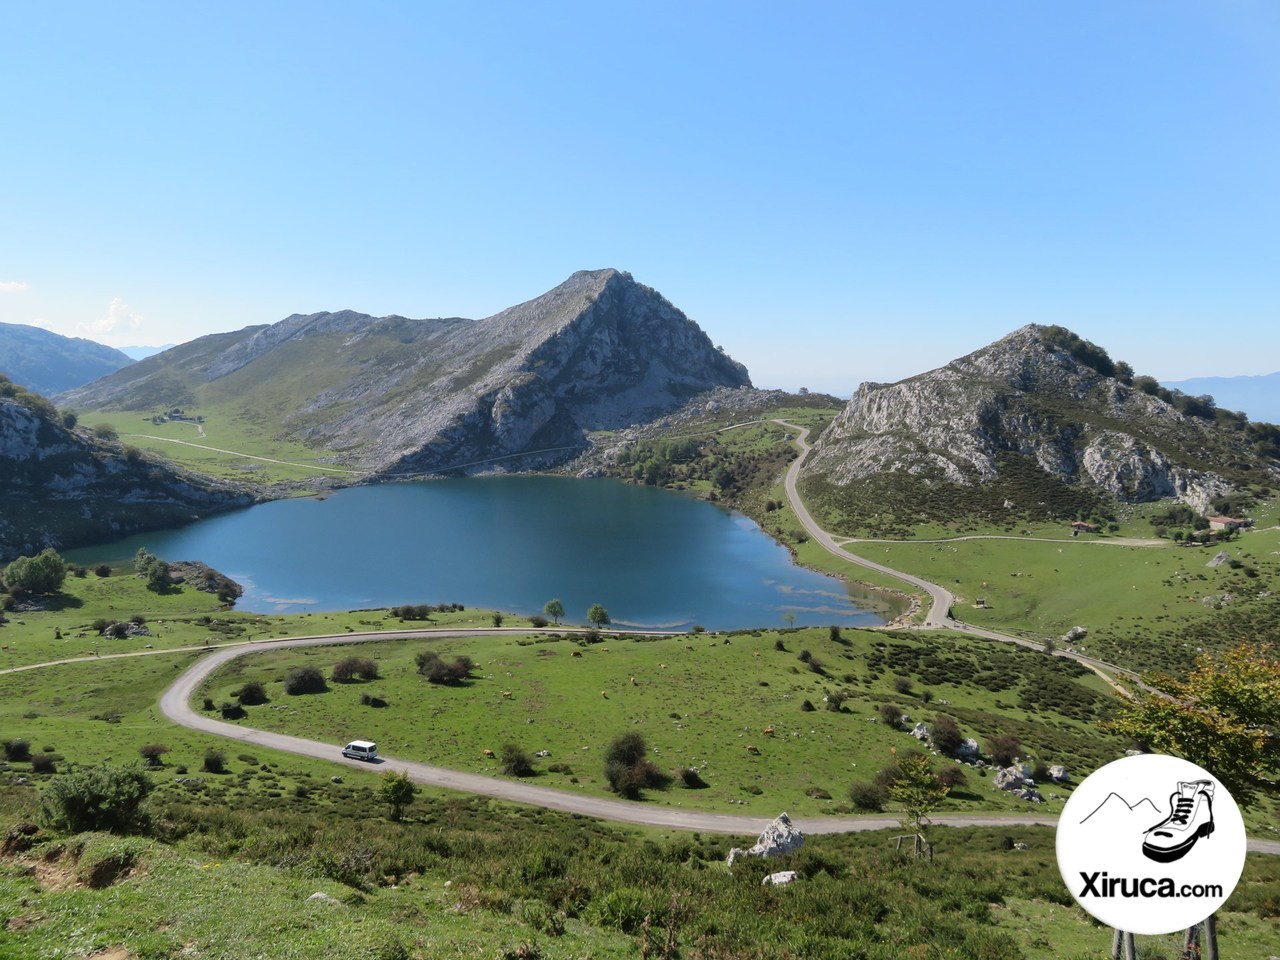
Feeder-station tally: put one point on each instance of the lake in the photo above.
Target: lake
(652, 558)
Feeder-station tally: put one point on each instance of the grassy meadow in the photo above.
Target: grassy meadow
(732, 706)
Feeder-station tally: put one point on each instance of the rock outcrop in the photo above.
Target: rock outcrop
(780, 837)
(1030, 400)
(63, 486)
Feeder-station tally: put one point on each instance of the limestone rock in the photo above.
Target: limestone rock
(319, 897)
(1058, 774)
(780, 837)
(1219, 559)
(781, 878)
(1075, 634)
(1035, 398)
(920, 731)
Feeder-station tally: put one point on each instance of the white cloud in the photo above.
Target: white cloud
(118, 318)
(13, 286)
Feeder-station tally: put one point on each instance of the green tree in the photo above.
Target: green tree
(554, 609)
(918, 792)
(397, 791)
(41, 574)
(96, 798)
(598, 615)
(1225, 717)
(498, 619)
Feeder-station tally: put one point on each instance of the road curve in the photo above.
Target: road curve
(939, 614)
(175, 704)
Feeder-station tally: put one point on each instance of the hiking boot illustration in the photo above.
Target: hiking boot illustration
(1190, 818)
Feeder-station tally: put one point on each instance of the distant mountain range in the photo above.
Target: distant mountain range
(397, 396)
(1259, 397)
(49, 363)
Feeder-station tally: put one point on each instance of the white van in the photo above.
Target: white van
(361, 750)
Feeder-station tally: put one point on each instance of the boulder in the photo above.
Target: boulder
(1058, 774)
(779, 837)
(1012, 778)
(1219, 559)
(920, 731)
(319, 897)
(1074, 634)
(967, 750)
(779, 879)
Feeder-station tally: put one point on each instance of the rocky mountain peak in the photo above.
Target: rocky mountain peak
(1041, 396)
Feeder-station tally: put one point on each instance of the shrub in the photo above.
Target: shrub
(252, 693)
(96, 798)
(868, 796)
(17, 750)
(952, 777)
(691, 778)
(627, 770)
(302, 680)
(232, 711)
(152, 752)
(902, 684)
(946, 735)
(516, 762)
(538, 621)
(1003, 749)
(432, 666)
(208, 703)
(807, 706)
(891, 716)
(215, 761)
(349, 668)
(103, 569)
(43, 763)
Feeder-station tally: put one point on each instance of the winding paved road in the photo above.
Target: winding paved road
(939, 615)
(175, 704)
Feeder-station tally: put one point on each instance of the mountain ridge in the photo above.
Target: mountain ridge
(396, 396)
(1039, 402)
(48, 363)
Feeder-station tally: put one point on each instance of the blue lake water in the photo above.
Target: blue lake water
(652, 558)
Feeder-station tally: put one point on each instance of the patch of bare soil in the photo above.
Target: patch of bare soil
(109, 953)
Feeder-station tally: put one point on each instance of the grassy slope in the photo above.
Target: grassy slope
(715, 696)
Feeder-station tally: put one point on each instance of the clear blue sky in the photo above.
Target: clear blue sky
(835, 191)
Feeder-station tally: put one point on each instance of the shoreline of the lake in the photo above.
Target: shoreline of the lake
(666, 562)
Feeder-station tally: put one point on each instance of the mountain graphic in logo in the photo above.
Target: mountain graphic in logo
(1116, 811)
(1190, 818)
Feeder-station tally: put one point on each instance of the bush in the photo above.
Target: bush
(349, 668)
(946, 735)
(538, 621)
(1003, 749)
(252, 694)
(952, 778)
(432, 666)
(208, 703)
(215, 761)
(628, 771)
(152, 752)
(103, 570)
(515, 761)
(902, 684)
(16, 751)
(96, 798)
(232, 711)
(891, 716)
(692, 779)
(868, 796)
(807, 706)
(43, 763)
(302, 680)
